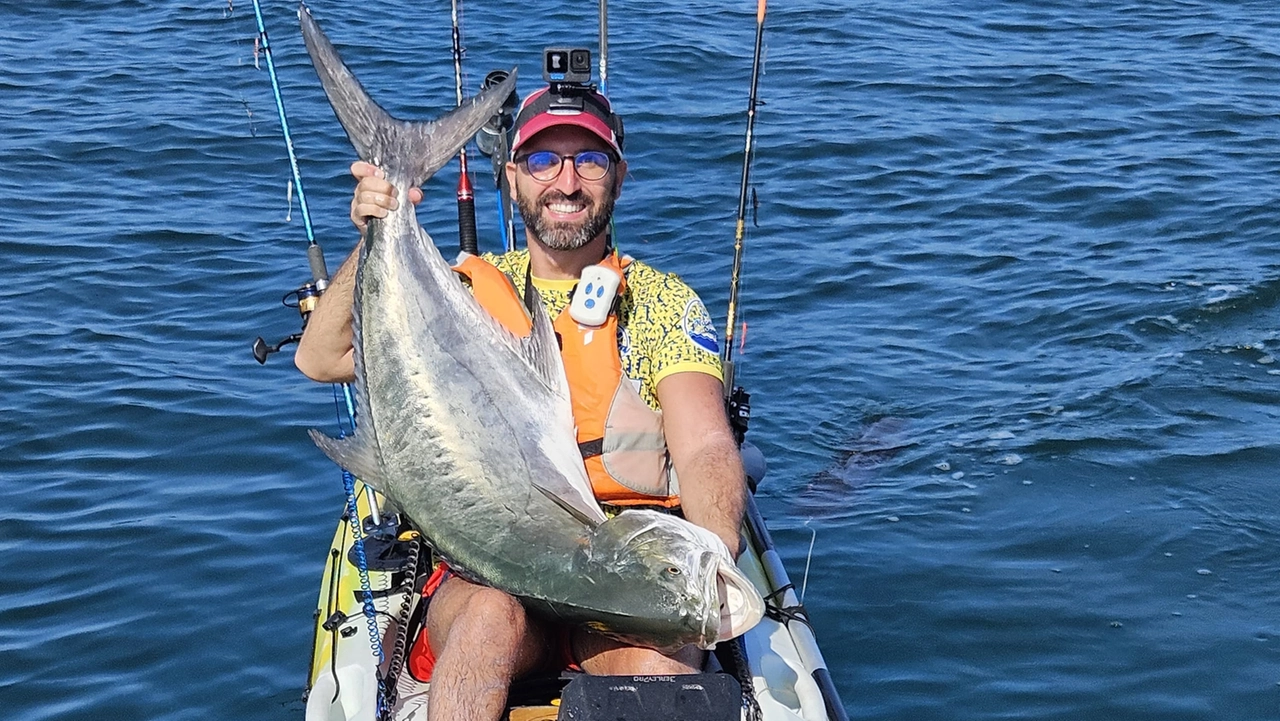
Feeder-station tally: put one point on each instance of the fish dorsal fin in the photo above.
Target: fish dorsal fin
(419, 148)
(542, 347)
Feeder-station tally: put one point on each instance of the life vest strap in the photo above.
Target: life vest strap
(591, 448)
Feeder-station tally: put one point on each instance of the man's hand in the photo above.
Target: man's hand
(374, 196)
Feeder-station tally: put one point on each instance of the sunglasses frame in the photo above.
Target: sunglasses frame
(559, 166)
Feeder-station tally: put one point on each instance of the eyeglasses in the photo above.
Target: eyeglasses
(545, 166)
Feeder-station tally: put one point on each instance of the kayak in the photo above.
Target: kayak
(366, 618)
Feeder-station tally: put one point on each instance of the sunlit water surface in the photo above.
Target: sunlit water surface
(1011, 298)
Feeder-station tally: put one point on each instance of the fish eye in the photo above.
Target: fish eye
(672, 571)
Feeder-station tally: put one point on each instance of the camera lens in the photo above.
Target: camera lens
(580, 61)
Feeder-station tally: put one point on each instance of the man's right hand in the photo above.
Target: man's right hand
(374, 196)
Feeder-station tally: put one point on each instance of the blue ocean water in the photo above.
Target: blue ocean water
(1011, 300)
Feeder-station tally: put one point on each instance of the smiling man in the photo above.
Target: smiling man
(645, 382)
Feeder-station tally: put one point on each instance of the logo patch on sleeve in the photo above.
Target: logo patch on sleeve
(698, 326)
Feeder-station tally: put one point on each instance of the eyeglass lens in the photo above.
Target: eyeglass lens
(545, 165)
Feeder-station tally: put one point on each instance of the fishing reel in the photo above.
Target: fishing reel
(739, 409)
(304, 300)
(494, 137)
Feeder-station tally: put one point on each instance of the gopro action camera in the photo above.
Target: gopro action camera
(566, 66)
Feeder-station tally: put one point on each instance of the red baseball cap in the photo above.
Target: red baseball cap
(586, 109)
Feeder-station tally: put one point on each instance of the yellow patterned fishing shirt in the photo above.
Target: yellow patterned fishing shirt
(663, 327)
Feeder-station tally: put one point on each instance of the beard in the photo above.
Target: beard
(566, 236)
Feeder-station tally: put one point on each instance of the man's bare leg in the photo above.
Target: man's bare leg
(600, 655)
(482, 639)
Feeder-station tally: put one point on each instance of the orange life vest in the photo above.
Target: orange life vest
(619, 435)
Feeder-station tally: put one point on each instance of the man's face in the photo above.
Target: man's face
(567, 212)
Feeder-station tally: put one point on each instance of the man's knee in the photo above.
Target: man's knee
(483, 619)
(499, 614)
(462, 605)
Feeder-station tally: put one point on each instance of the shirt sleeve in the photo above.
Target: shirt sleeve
(681, 337)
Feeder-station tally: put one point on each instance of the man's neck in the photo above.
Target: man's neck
(550, 264)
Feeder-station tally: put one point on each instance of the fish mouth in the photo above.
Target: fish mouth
(741, 606)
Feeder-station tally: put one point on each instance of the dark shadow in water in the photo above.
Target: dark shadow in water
(874, 444)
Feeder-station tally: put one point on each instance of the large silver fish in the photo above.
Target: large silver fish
(468, 428)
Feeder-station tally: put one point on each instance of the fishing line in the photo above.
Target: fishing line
(284, 127)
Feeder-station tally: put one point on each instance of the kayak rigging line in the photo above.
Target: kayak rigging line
(466, 196)
(401, 644)
(740, 230)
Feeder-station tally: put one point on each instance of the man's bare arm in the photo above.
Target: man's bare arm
(713, 489)
(325, 354)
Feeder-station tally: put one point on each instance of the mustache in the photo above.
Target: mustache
(555, 196)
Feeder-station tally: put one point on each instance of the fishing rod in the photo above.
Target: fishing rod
(315, 255)
(604, 84)
(466, 196)
(604, 48)
(738, 402)
(740, 231)
(304, 298)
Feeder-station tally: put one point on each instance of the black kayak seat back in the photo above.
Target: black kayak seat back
(694, 697)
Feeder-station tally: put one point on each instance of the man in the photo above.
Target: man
(565, 173)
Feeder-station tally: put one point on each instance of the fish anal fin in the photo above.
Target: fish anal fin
(354, 454)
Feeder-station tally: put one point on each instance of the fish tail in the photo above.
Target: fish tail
(405, 150)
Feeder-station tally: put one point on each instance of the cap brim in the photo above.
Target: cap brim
(586, 121)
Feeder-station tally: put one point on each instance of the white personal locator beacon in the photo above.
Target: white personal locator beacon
(593, 298)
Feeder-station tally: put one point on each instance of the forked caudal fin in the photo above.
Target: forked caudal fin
(406, 151)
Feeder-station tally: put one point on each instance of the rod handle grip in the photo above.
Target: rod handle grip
(467, 226)
(315, 258)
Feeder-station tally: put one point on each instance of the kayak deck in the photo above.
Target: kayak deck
(788, 675)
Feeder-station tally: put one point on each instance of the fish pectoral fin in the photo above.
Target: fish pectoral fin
(355, 454)
(541, 348)
(591, 515)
